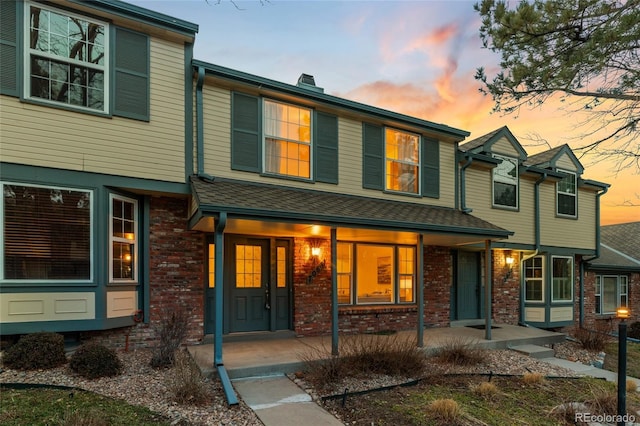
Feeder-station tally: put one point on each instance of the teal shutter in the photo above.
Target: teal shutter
(430, 168)
(326, 148)
(9, 38)
(373, 157)
(131, 74)
(245, 133)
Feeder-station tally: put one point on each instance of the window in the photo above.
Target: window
(375, 273)
(287, 140)
(46, 233)
(248, 266)
(65, 60)
(505, 182)
(534, 279)
(562, 279)
(402, 163)
(124, 239)
(566, 195)
(612, 292)
(211, 257)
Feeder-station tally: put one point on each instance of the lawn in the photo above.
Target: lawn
(633, 358)
(45, 406)
(510, 402)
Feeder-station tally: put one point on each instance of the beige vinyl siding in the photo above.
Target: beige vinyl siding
(62, 306)
(504, 147)
(479, 196)
(53, 137)
(217, 155)
(565, 162)
(568, 232)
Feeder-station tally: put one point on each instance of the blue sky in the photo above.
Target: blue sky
(413, 57)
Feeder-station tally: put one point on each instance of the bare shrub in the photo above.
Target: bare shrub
(171, 331)
(485, 390)
(91, 417)
(365, 355)
(604, 402)
(445, 410)
(187, 386)
(532, 379)
(631, 386)
(459, 351)
(594, 339)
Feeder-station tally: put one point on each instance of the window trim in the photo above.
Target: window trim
(135, 242)
(571, 279)
(574, 195)
(541, 279)
(27, 52)
(264, 138)
(619, 294)
(418, 165)
(353, 246)
(516, 185)
(92, 224)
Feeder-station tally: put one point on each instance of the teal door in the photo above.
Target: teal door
(468, 287)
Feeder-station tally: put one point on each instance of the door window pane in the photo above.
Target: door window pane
(248, 266)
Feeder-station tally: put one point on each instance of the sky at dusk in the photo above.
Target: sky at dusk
(412, 57)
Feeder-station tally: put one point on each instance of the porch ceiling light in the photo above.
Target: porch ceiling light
(509, 267)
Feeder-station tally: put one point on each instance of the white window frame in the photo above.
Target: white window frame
(28, 52)
(498, 178)
(569, 194)
(541, 279)
(91, 234)
(622, 292)
(571, 279)
(417, 164)
(133, 241)
(266, 135)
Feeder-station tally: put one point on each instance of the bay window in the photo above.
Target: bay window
(47, 233)
(124, 239)
(562, 279)
(534, 279)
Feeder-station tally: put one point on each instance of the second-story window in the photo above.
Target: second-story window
(402, 165)
(566, 202)
(66, 59)
(505, 182)
(287, 140)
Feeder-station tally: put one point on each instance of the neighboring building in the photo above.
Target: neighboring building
(614, 276)
(138, 181)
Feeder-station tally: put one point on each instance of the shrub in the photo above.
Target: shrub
(459, 351)
(631, 386)
(365, 355)
(94, 360)
(634, 330)
(36, 351)
(446, 410)
(533, 379)
(604, 402)
(485, 389)
(186, 383)
(171, 332)
(595, 339)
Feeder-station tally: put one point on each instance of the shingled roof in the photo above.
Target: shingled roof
(620, 247)
(544, 157)
(259, 200)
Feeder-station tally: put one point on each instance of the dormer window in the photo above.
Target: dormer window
(505, 182)
(566, 197)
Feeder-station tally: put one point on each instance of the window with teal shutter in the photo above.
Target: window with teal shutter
(9, 30)
(430, 168)
(373, 157)
(326, 148)
(245, 133)
(131, 75)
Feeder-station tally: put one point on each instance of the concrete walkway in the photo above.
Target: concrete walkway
(588, 370)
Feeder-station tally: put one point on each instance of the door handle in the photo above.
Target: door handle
(267, 298)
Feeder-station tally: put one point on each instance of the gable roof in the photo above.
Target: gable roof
(548, 159)
(275, 202)
(485, 142)
(620, 247)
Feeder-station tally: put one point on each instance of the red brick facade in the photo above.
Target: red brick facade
(505, 287)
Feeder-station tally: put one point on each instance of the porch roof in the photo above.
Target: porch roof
(275, 202)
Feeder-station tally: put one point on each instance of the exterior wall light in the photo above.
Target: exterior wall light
(316, 251)
(509, 267)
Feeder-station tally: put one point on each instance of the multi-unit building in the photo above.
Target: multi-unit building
(138, 180)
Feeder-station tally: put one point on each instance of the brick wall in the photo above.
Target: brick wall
(505, 287)
(438, 279)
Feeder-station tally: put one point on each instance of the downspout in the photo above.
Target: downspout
(488, 290)
(200, 125)
(463, 190)
(597, 255)
(218, 240)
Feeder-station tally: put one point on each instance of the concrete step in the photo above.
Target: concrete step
(534, 351)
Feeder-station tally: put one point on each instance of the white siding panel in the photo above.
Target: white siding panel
(28, 307)
(561, 314)
(217, 155)
(534, 314)
(52, 137)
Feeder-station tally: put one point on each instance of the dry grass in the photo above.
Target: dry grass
(594, 339)
(445, 410)
(186, 383)
(533, 379)
(459, 351)
(631, 386)
(485, 390)
(604, 402)
(91, 417)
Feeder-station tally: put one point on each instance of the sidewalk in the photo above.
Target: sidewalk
(588, 370)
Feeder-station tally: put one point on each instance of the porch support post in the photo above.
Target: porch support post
(218, 240)
(420, 291)
(487, 287)
(334, 292)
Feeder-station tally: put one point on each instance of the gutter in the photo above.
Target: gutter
(463, 185)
